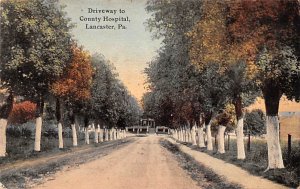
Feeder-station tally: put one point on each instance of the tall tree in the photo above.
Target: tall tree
(73, 88)
(268, 29)
(35, 48)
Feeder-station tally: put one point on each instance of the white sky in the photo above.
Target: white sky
(129, 49)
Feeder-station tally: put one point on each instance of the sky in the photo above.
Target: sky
(128, 49)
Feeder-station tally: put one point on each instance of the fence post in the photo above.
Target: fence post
(216, 142)
(248, 144)
(289, 146)
(228, 143)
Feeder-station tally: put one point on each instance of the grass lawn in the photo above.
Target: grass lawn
(21, 147)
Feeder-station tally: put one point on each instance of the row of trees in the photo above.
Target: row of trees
(218, 56)
(39, 62)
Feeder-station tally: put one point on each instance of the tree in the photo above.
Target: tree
(269, 29)
(35, 48)
(242, 91)
(73, 88)
(255, 123)
(5, 110)
(224, 120)
(103, 91)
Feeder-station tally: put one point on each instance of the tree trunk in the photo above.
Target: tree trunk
(60, 136)
(240, 138)
(193, 133)
(272, 95)
(186, 139)
(111, 134)
(201, 143)
(240, 128)
(100, 134)
(96, 138)
(38, 125)
(209, 138)
(208, 117)
(106, 134)
(38, 134)
(3, 125)
(74, 134)
(5, 110)
(221, 143)
(59, 117)
(274, 149)
(87, 137)
(179, 135)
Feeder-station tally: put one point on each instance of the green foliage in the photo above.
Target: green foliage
(255, 123)
(35, 45)
(111, 102)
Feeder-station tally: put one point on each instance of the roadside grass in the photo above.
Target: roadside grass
(21, 147)
(256, 161)
(204, 176)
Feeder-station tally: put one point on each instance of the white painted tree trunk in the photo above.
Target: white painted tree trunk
(274, 149)
(74, 135)
(110, 134)
(221, 143)
(240, 139)
(120, 134)
(100, 135)
(193, 133)
(96, 132)
(3, 125)
(106, 135)
(209, 138)
(201, 143)
(87, 137)
(38, 134)
(60, 136)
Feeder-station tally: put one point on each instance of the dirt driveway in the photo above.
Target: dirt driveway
(141, 164)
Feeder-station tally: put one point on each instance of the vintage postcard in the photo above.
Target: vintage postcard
(154, 94)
